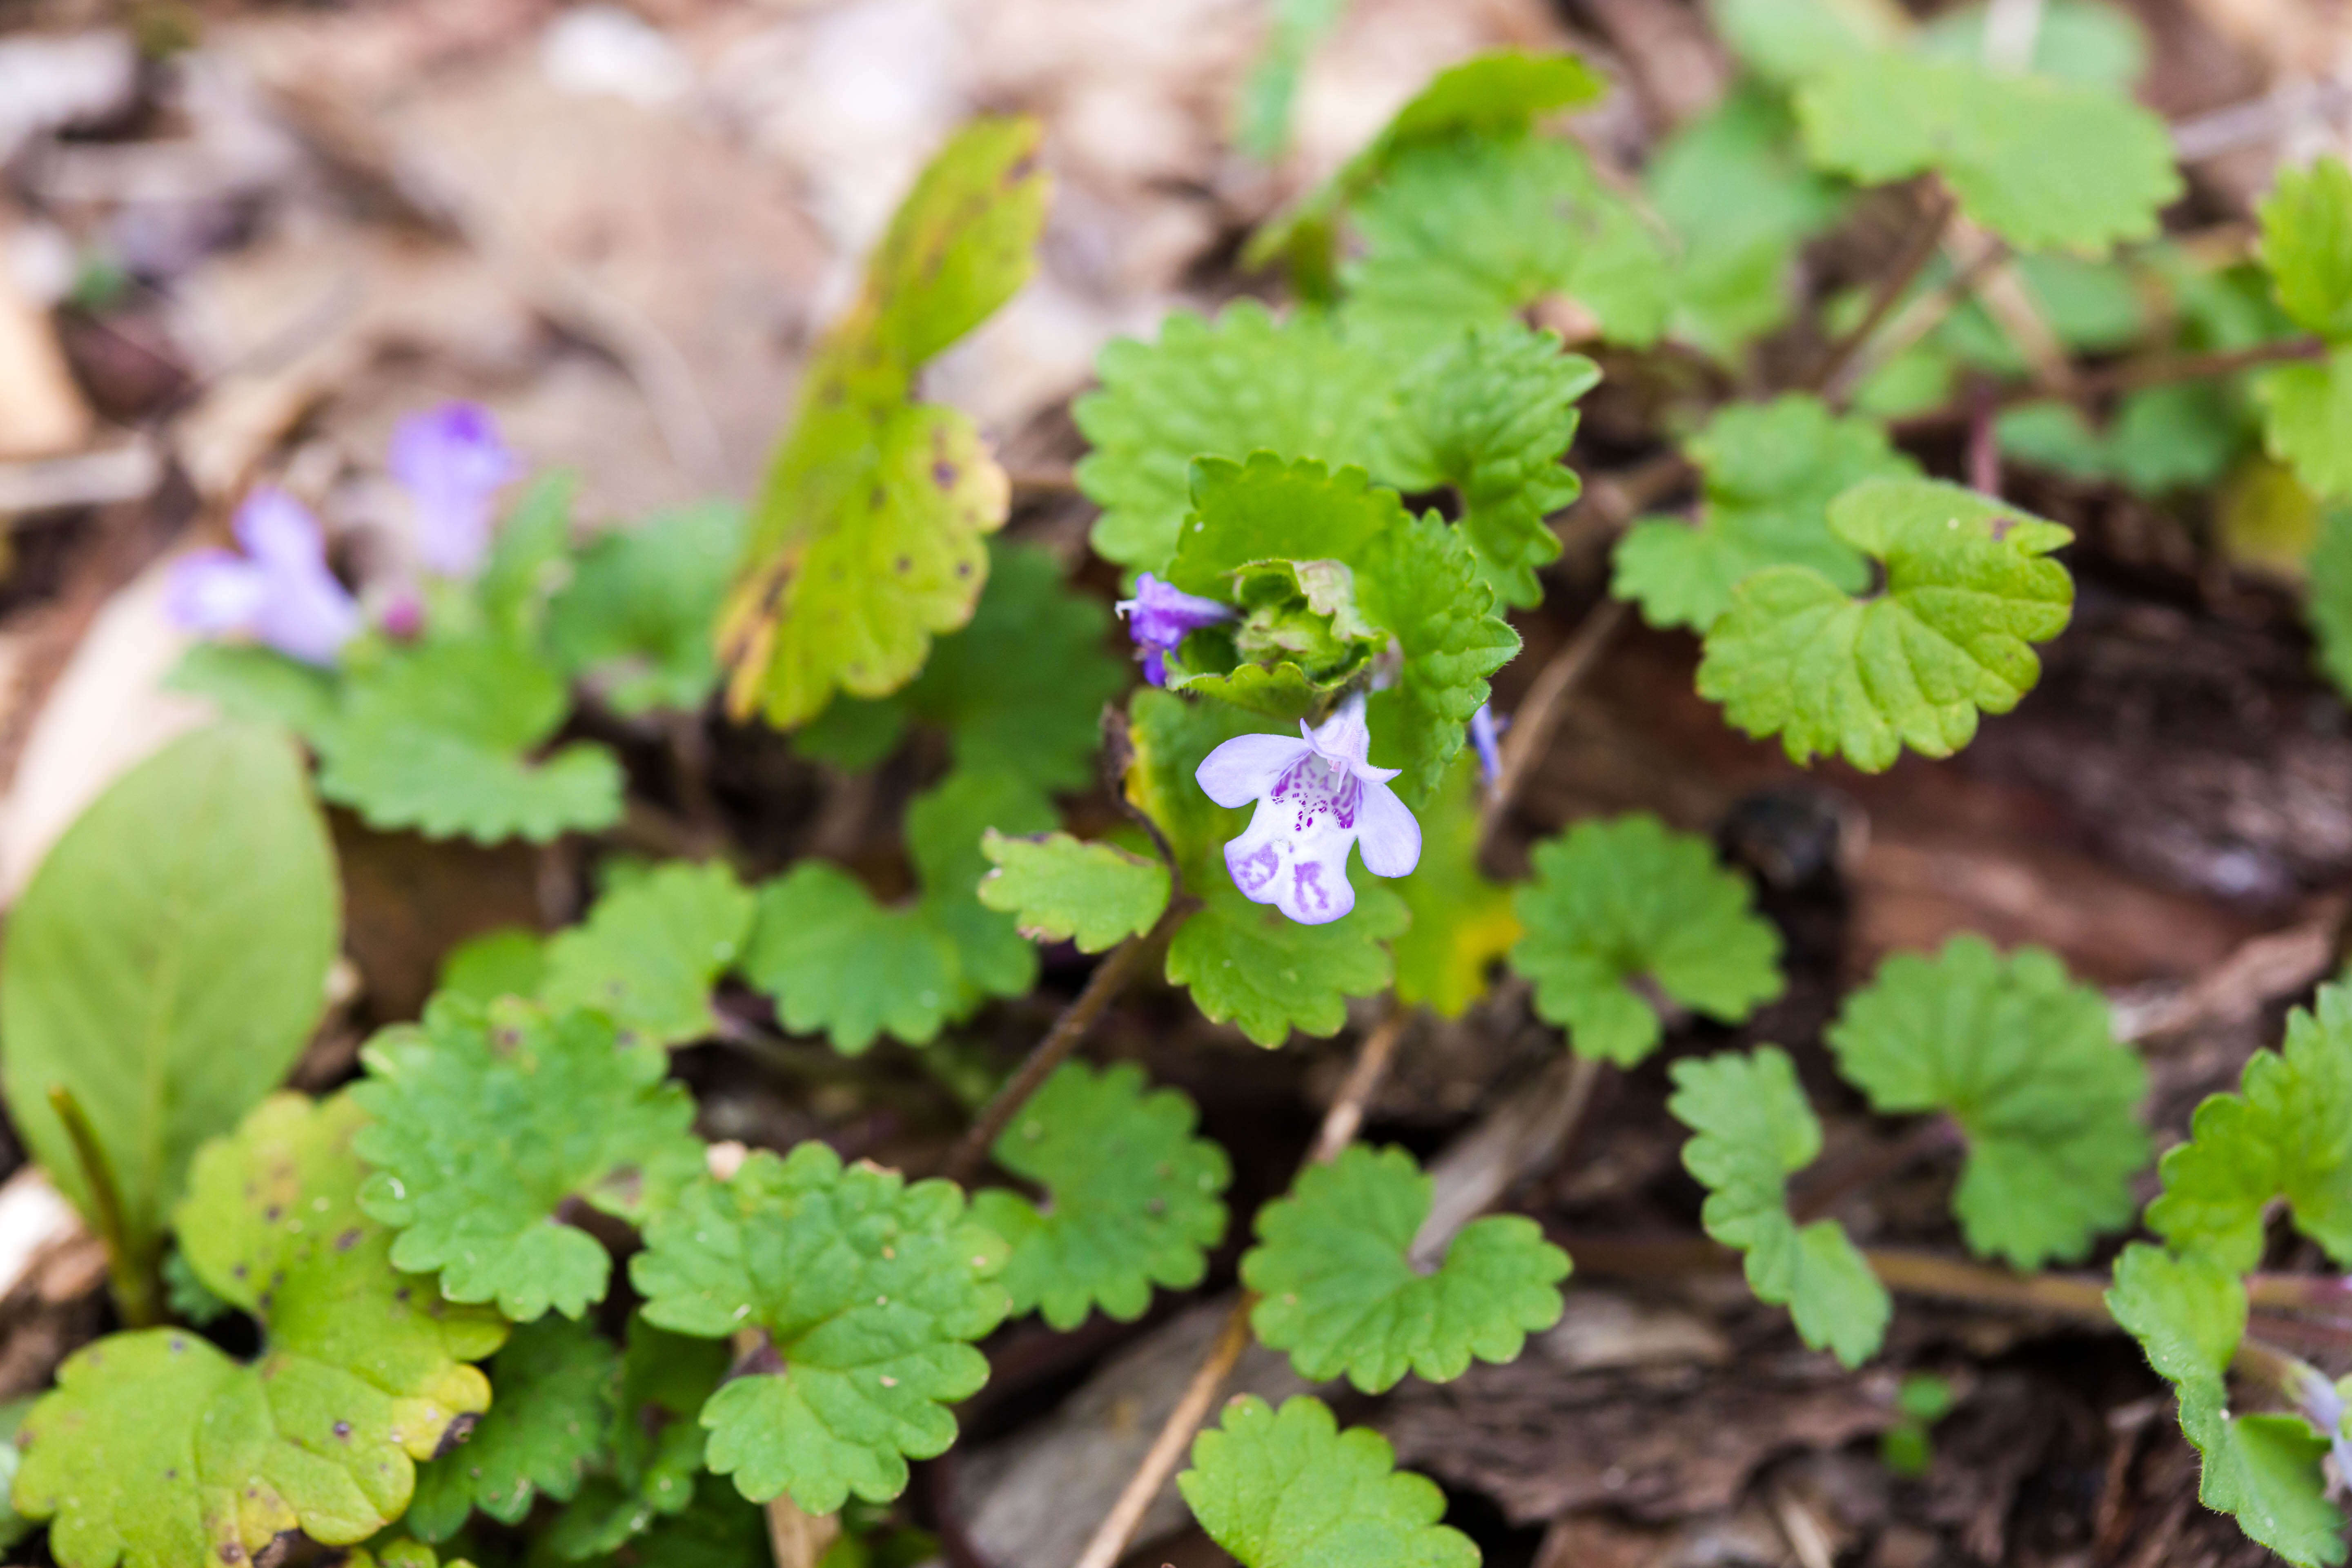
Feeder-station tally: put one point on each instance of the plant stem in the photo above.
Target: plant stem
(136, 1294)
(1109, 978)
(1542, 708)
(2131, 376)
(1867, 1165)
(1338, 1130)
(1918, 251)
(2302, 1292)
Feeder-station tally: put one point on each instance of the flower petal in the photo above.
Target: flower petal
(1245, 767)
(1304, 875)
(1346, 737)
(278, 532)
(451, 463)
(1388, 836)
(215, 591)
(309, 616)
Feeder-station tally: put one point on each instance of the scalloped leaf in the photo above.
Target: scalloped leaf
(2046, 165)
(2307, 245)
(651, 950)
(2328, 604)
(652, 1447)
(1751, 1129)
(1338, 1290)
(1470, 230)
(2189, 1314)
(1290, 1490)
(1493, 415)
(155, 1450)
(634, 623)
(442, 738)
(1772, 471)
(1060, 890)
(486, 1122)
(257, 684)
(2027, 1062)
(2286, 1135)
(1242, 384)
(868, 539)
(1244, 962)
(2308, 421)
(1969, 588)
(1620, 906)
(1131, 1197)
(1462, 922)
(168, 963)
(870, 1291)
(837, 961)
(552, 1390)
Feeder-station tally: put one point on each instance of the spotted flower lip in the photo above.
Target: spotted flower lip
(276, 588)
(1159, 617)
(1315, 796)
(452, 463)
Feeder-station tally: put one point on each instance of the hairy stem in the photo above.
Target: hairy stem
(1918, 251)
(1168, 1449)
(1546, 703)
(136, 1293)
(1109, 978)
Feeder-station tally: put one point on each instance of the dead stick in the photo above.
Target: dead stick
(1918, 251)
(1542, 710)
(1339, 1126)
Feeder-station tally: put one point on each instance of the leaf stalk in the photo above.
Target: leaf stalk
(137, 1295)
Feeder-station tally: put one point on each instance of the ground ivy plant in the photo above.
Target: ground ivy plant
(498, 1297)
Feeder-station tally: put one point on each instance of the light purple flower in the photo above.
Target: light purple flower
(2324, 1404)
(1161, 617)
(1315, 798)
(1485, 739)
(279, 591)
(452, 464)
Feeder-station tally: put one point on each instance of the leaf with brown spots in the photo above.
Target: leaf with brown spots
(868, 540)
(158, 1451)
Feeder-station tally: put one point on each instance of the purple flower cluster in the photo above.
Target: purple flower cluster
(276, 587)
(1161, 617)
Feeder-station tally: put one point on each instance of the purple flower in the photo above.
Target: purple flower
(451, 462)
(2324, 1403)
(1315, 798)
(1161, 617)
(279, 591)
(1485, 739)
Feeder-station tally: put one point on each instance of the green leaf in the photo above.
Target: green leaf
(1059, 889)
(870, 1291)
(1244, 962)
(530, 561)
(1492, 415)
(837, 961)
(1466, 231)
(155, 1450)
(1273, 81)
(2189, 1314)
(1243, 383)
(1752, 1128)
(1290, 1490)
(1338, 1290)
(2307, 245)
(1462, 922)
(2087, 42)
(167, 963)
(715, 1529)
(652, 1447)
(2053, 435)
(2286, 1134)
(2308, 421)
(553, 1389)
(650, 951)
(635, 621)
(487, 1123)
(441, 738)
(507, 962)
(1969, 589)
(2044, 164)
(257, 684)
(2329, 605)
(2184, 436)
(1619, 907)
(1788, 41)
(1131, 1197)
(1772, 471)
(868, 538)
(2027, 1062)
(945, 827)
(1498, 94)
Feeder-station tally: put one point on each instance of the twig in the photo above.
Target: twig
(2265, 119)
(1109, 978)
(1611, 500)
(1339, 1125)
(1049, 481)
(1916, 253)
(1540, 712)
(135, 1293)
(1864, 1167)
(2128, 377)
(1921, 316)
